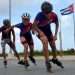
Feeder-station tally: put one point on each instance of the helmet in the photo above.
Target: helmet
(25, 16)
(6, 22)
(46, 7)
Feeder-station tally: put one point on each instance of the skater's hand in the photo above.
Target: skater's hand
(55, 37)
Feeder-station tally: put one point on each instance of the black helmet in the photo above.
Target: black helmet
(46, 7)
(6, 22)
(26, 16)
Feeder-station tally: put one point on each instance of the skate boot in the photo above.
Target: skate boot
(32, 60)
(5, 63)
(48, 66)
(57, 62)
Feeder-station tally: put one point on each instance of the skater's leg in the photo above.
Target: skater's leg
(46, 52)
(12, 45)
(30, 42)
(31, 54)
(3, 52)
(54, 53)
(25, 52)
(26, 55)
(25, 45)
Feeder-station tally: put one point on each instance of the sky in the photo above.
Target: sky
(18, 7)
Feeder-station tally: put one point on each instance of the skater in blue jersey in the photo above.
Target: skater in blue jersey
(42, 25)
(26, 38)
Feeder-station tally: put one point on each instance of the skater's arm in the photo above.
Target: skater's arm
(8, 29)
(0, 29)
(13, 33)
(36, 30)
(36, 23)
(34, 26)
(57, 26)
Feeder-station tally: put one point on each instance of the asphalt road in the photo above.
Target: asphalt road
(15, 69)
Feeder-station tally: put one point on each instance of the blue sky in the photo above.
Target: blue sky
(33, 7)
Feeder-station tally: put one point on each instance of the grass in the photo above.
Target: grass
(40, 53)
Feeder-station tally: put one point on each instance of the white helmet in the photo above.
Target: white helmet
(26, 16)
